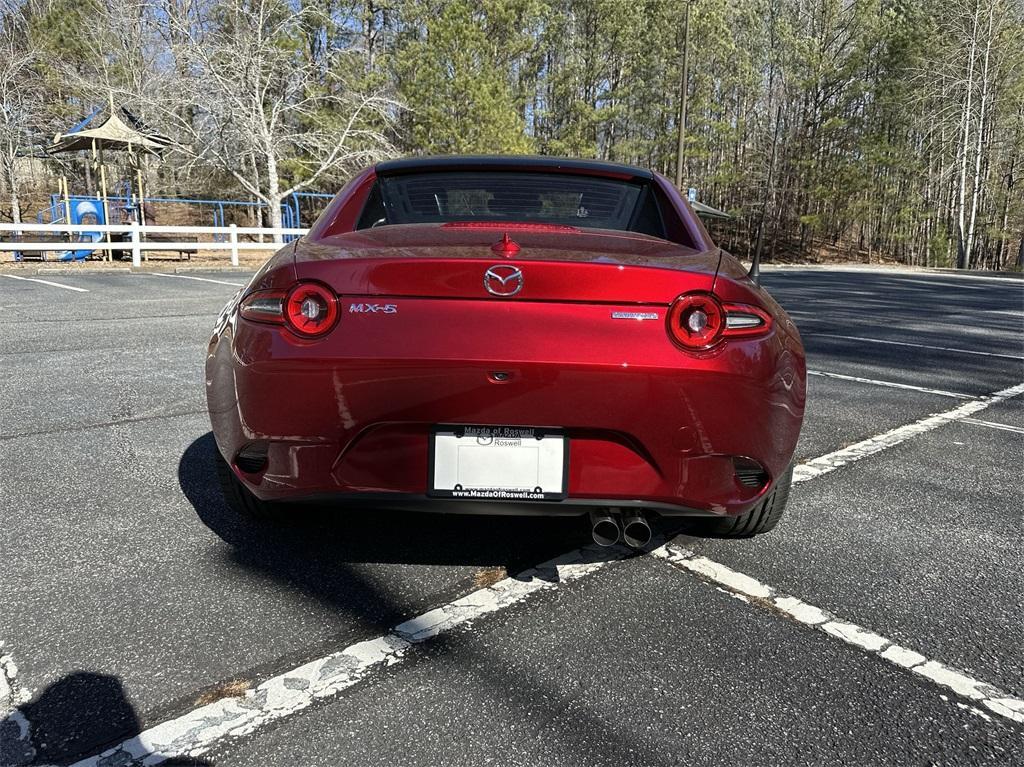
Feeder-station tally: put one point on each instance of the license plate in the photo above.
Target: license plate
(509, 463)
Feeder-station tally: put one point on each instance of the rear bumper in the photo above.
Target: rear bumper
(658, 429)
(570, 507)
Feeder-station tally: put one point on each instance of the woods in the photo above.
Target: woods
(858, 129)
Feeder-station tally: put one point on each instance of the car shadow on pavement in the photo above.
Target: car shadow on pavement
(78, 715)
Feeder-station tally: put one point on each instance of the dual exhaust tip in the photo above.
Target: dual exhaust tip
(609, 527)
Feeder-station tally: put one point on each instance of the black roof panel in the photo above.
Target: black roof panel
(508, 162)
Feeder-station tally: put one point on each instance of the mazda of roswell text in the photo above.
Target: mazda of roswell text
(509, 335)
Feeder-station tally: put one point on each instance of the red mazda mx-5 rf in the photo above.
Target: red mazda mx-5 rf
(509, 335)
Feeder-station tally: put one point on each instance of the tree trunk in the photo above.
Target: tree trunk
(12, 188)
(1003, 231)
(274, 195)
(981, 134)
(260, 218)
(961, 248)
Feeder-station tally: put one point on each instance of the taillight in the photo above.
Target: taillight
(308, 309)
(263, 306)
(696, 321)
(746, 320)
(699, 321)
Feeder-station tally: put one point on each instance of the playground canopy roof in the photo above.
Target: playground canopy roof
(110, 128)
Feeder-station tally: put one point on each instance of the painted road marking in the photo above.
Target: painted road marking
(16, 739)
(197, 731)
(889, 384)
(994, 425)
(11, 692)
(46, 282)
(198, 279)
(919, 346)
(754, 591)
(832, 461)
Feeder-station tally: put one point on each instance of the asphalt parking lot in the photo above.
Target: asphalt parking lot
(881, 623)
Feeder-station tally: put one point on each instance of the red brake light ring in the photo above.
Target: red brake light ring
(698, 321)
(308, 309)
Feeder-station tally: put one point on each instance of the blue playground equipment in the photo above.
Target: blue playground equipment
(296, 210)
(85, 212)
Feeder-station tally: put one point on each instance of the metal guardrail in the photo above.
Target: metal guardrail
(136, 242)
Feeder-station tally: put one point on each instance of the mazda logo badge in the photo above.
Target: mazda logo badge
(503, 280)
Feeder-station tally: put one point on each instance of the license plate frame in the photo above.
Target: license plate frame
(475, 449)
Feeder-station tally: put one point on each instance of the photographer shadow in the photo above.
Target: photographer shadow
(80, 714)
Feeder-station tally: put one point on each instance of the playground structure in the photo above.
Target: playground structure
(113, 128)
(298, 208)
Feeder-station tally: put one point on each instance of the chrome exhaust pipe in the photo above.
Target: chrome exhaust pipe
(635, 530)
(604, 528)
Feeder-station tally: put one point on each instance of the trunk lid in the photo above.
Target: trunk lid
(520, 262)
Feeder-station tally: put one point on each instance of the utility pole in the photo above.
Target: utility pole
(681, 146)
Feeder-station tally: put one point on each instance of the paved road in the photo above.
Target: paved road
(131, 597)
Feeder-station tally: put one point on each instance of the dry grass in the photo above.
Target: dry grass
(489, 576)
(236, 688)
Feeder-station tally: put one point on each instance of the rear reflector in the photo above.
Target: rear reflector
(252, 458)
(749, 473)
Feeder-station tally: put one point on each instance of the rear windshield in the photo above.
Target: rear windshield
(548, 198)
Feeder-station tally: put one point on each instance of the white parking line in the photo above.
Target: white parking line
(832, 461)
(17, 738)
(197, 279)
(889, 384)
(994, 425)
(45, 282)
(995, 700)
(919, 346)
(197, 731)
(11, 692)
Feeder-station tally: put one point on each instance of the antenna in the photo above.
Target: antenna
(755, 262)
(755, 268)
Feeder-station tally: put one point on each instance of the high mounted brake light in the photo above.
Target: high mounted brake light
(699, 321)
(512, 226)
(308, 309)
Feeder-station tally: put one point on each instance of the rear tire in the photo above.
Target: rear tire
(763, 517)
(239, 498)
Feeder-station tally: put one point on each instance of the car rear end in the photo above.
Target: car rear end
(457, 363)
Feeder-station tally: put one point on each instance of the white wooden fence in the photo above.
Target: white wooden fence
(136, 241)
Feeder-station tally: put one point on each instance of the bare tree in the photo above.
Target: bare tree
(17, 113)
(250, 97)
